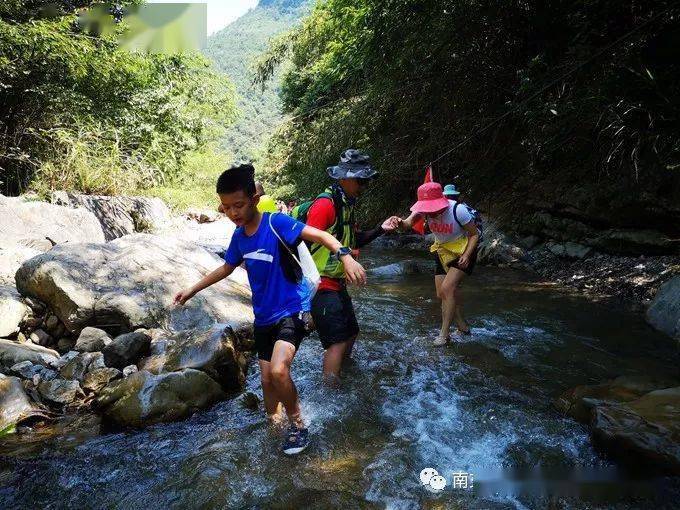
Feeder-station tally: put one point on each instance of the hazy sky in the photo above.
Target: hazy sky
(220, 12)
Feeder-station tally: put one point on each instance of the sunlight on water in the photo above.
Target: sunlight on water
(479, 405)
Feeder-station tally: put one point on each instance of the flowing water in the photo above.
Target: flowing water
(475, 407)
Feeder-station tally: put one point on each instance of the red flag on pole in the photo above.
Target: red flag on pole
(419, 224)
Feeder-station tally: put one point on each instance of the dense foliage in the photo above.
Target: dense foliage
(407, 80)
(77, 112)
(234, 50)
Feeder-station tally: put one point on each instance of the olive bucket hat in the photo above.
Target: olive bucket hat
(353, 164)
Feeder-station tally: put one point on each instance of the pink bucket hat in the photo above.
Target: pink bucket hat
(431, 199)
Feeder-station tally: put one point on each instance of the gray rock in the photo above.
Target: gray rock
(92, 339)
(12, 311)
(100, 377)
(51, 322)
(402, 268)
(529, 242)
(59, 391)
(81, 364)
(12, 353)
(63, 360)
(126, 349)
(25, 369)
(130, 283)
(34, 223)
(119, 215)
(40, 337)
(664, 311)
(576, 251)
(15, 405)
(65, 344)
(212, 351)
(11, 258)
(129, 370)
(144, 398)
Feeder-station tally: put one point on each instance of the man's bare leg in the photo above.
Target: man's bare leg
(332, 362)
(282, 358)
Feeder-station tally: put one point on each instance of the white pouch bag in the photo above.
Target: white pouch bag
(310, 274)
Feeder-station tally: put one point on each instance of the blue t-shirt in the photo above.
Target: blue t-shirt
(274, 296)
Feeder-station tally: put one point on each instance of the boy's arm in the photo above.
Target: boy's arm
(354, 272)
(407, 223)
(210, 279)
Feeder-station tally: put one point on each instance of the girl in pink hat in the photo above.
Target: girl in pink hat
(454, 249)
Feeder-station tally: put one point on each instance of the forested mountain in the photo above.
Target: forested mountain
(234, 49)
(77, 112)
(565, 108)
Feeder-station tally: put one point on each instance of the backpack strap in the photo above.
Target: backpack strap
(455, 216)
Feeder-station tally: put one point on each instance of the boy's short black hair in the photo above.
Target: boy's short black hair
(237, 178)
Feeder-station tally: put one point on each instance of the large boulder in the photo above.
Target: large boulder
(144, 398)
(11, 258)
(664, 311)
(40, 225)
(130, 283)
(15, 405)
(126, 349)
(646, 429)
(119, 215)
(212, 351)
(636, 419)
(12, 311)
(12, 353)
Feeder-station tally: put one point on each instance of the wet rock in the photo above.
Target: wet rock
(100, 377)
(82, 284)
(25, 369)
(664, 311)
(60, 391)
(646, 429)
(15, 405)
(213, 351)
(126, 349)
(579, 402)
(498, 248)
(51, 322)
(64, 359)
(65, 344)
(81, 364)
(576, 251)
(12, 311)
(144, 398)
(129, 370)
(12, 353)
(402, 268)
(40, 337)
(92, 340)
(636, 419)
(119, 215)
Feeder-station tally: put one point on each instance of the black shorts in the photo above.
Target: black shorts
(289, 329)
(439, 269)
(334, 317)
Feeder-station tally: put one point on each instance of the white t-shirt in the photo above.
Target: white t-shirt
(445, 227)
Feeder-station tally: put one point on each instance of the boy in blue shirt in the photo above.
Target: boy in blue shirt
(278, 300)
